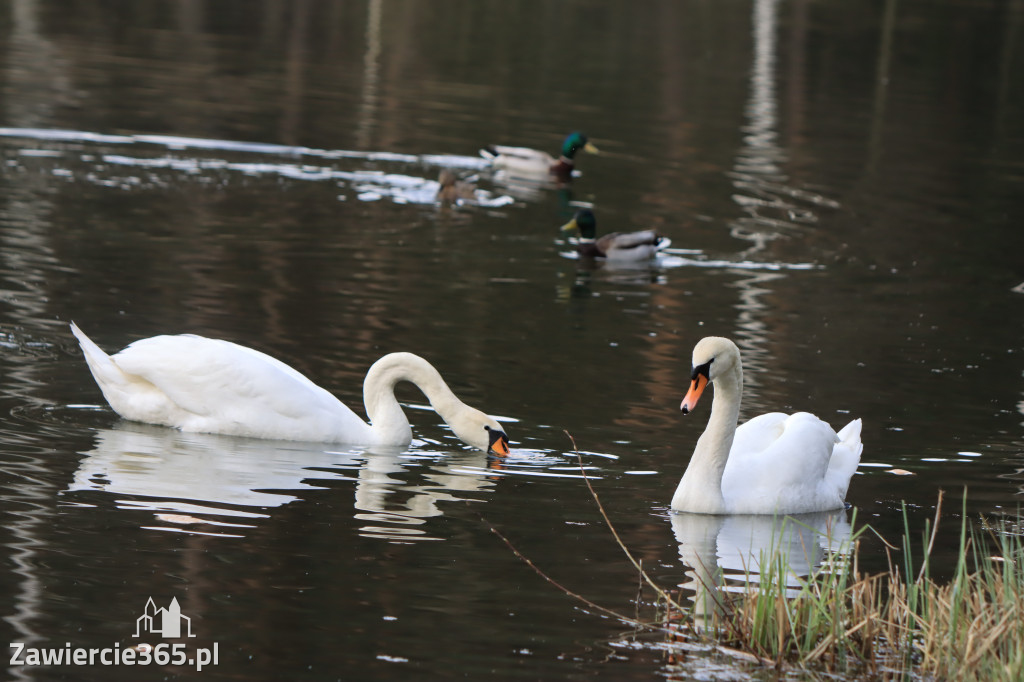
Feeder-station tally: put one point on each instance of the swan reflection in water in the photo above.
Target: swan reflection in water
(725, 553)
(220, 485)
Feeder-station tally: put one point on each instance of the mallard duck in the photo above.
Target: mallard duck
(452, 190)
(773, 464)
(621, 246)
(211, 386)
(526, 162)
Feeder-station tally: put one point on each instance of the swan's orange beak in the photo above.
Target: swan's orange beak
(499, 444)
(697, 386)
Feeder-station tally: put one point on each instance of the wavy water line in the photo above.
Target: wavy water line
(177, 143)
(367, 185)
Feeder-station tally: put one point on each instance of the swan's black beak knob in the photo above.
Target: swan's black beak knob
(698, 382)
(498, 443)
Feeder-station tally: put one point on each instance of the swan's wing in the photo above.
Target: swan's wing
(199, 374)
(219, 382)
(757, 435)
(781, 459)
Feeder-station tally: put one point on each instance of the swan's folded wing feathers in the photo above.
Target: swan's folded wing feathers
(209, 377)
(774, 451)
(757, 434)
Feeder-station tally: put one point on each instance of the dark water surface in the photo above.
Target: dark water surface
(843, 183)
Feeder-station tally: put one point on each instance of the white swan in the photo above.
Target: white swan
(773, 464)
(211, 386)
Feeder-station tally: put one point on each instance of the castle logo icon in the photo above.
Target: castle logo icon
(164, 622)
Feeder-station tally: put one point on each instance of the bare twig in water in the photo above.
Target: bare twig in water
(644, 577)
(575, 595)
(629, 555)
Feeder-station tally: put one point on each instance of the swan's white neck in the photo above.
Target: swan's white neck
(700, 490)
(387, 420)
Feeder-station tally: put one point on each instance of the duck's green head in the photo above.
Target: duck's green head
(584, 222)
(574, 143)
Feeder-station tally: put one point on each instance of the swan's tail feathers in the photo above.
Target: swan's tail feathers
(850, 436)
(102, 367)
(846, 456)
(91, 351)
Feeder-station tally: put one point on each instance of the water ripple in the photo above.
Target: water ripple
(365, 184)
(181, 143)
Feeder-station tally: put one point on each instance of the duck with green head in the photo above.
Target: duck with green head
(618, 246)
(533, 163)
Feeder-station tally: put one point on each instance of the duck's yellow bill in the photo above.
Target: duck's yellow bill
(697, 386)
(570, 226)
(589, 147)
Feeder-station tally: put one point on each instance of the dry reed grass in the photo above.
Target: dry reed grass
(896, 625)
(888, 626)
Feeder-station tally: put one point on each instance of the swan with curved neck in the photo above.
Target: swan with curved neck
(212, 386)
(773, 464)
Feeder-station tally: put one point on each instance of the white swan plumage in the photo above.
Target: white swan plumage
(207, 385)
(773, 464)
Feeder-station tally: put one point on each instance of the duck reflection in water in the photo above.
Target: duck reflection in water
(221, 485)
(730, 553)
(589, 272)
